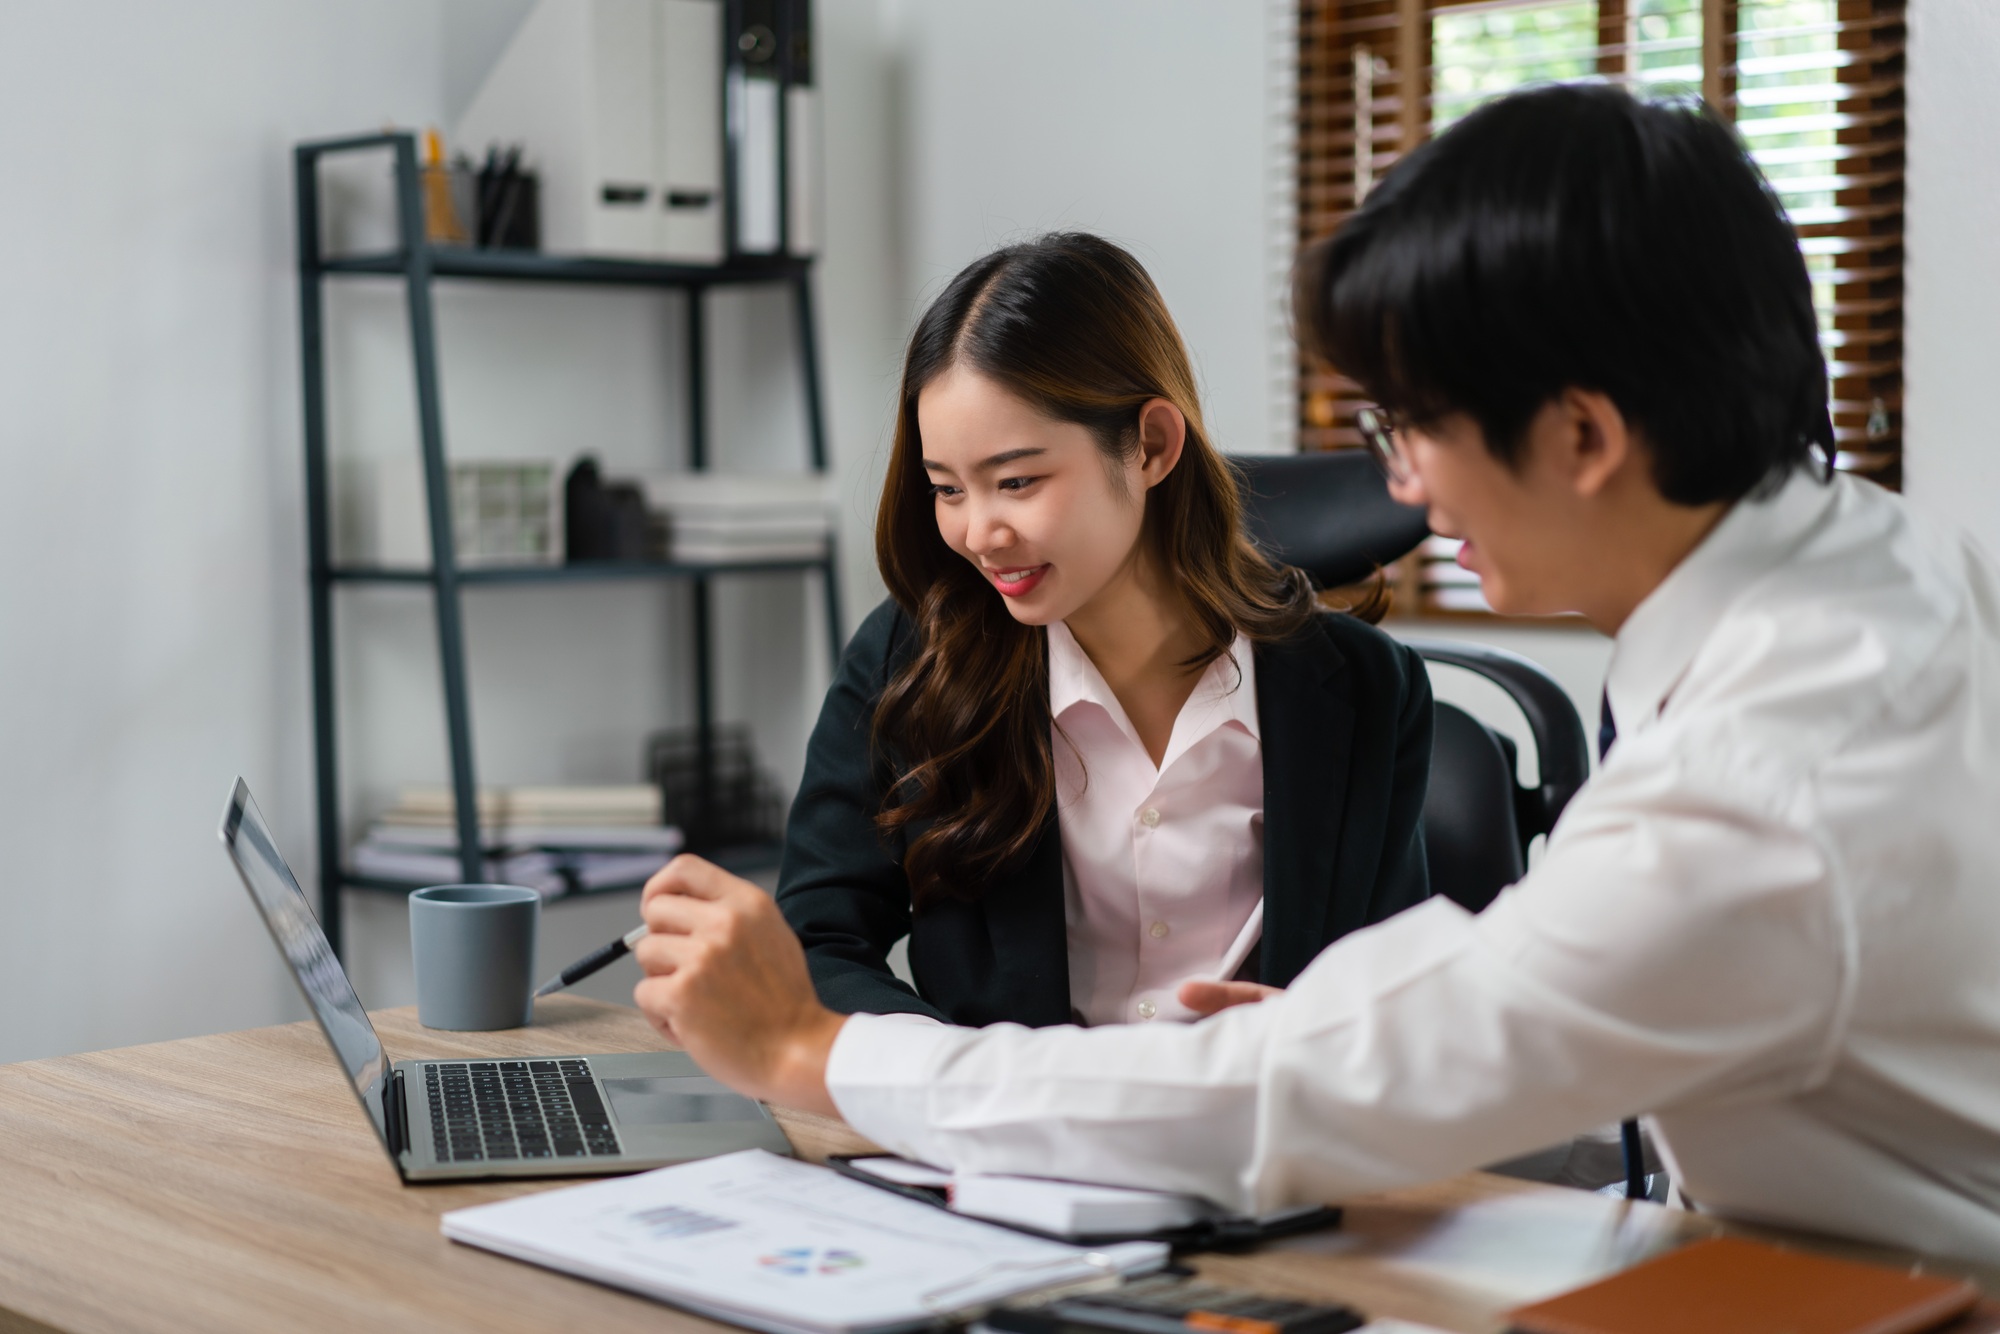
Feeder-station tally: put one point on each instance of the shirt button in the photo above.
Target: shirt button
(1149, 817)
(1158, 931)
(1147, 1009)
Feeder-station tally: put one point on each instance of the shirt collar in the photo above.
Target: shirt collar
(1226, 692)
(1073, 678)
(1660, 638)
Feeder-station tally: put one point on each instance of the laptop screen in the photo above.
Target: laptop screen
(277, 894)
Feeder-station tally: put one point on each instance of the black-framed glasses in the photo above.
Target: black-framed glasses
(1378, 431)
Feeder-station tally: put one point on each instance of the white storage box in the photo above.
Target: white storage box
(504, 512)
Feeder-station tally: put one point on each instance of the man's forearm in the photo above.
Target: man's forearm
(1168, 1107)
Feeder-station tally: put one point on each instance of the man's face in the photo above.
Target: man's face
(1518, 523)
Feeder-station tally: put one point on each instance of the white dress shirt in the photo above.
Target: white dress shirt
(1772, 922)
(1163, 868)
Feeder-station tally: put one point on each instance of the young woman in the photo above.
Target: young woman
(1095, 745)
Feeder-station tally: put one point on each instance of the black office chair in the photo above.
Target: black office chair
(1328, 513)
(1479, 818)
(1331, 515)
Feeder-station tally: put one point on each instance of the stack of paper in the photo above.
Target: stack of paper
(1061, 1208)
(715, 518)
(1072, 1209)
(655, 838)
(783, 1246)
(592, 808)
(553, 839)
(416, 866)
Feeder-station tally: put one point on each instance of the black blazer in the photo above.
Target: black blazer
(1345, 717)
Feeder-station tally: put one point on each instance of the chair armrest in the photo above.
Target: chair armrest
(1561, 744)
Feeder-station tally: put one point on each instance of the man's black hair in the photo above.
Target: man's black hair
(1574, 236)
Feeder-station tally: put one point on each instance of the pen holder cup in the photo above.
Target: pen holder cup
(474, 951)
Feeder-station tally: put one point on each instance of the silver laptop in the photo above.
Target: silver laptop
(531, 1117)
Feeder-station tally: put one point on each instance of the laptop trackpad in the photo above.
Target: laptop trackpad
(676, 1100)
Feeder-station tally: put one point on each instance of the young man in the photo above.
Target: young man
(1770, 923)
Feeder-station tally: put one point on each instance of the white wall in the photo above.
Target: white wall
(152, 632)
(1144, 120)
(865, 297)
(1952, 275)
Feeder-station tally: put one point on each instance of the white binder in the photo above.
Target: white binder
(773, 122)
(618, 105)
(690, 137)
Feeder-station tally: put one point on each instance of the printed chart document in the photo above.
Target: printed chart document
(778, 1245)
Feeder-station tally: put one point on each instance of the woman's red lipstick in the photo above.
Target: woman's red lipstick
(1020, 587)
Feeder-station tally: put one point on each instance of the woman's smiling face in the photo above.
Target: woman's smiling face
(1035, 504)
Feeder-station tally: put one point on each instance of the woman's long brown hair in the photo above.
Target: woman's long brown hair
(1072, 325)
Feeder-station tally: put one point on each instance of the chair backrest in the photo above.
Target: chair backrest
(1471, 841)
(1329, 513)
(1478, 817)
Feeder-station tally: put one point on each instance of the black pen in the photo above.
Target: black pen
(593, 961)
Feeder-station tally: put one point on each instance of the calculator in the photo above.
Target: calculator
(1174, 1304)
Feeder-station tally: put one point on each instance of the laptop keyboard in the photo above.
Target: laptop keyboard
(498, 1110)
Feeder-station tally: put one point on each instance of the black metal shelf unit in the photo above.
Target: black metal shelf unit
(418, 264)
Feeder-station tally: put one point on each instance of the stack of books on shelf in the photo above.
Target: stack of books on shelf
(557, 840)
(717, 518)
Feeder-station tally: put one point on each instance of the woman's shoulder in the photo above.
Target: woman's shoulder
(884, 625)
(872, 656)
(1367, 649)
(885, 637)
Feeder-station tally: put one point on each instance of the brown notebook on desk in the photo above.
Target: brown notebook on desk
(1731, 1286)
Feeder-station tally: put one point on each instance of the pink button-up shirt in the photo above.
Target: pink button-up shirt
(1163, 869)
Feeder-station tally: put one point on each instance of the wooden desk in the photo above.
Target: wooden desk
(230, 1183)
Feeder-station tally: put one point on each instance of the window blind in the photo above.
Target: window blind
(1816, 90)
(1815, 87)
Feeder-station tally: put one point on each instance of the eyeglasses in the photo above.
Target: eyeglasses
(1378, 431)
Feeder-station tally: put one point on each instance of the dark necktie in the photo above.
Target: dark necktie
(1635, 1173)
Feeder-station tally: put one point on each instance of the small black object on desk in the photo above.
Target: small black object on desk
(1173, 1303)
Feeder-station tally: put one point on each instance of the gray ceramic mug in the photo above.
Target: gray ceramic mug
(474, 950)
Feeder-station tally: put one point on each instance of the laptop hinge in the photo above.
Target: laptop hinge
(396, 1115)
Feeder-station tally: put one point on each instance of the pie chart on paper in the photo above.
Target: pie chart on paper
(801, 1261)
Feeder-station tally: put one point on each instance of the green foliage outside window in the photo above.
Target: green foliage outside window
(1487, 51)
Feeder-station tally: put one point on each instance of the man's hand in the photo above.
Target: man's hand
(726, 979)
(1205, 998)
